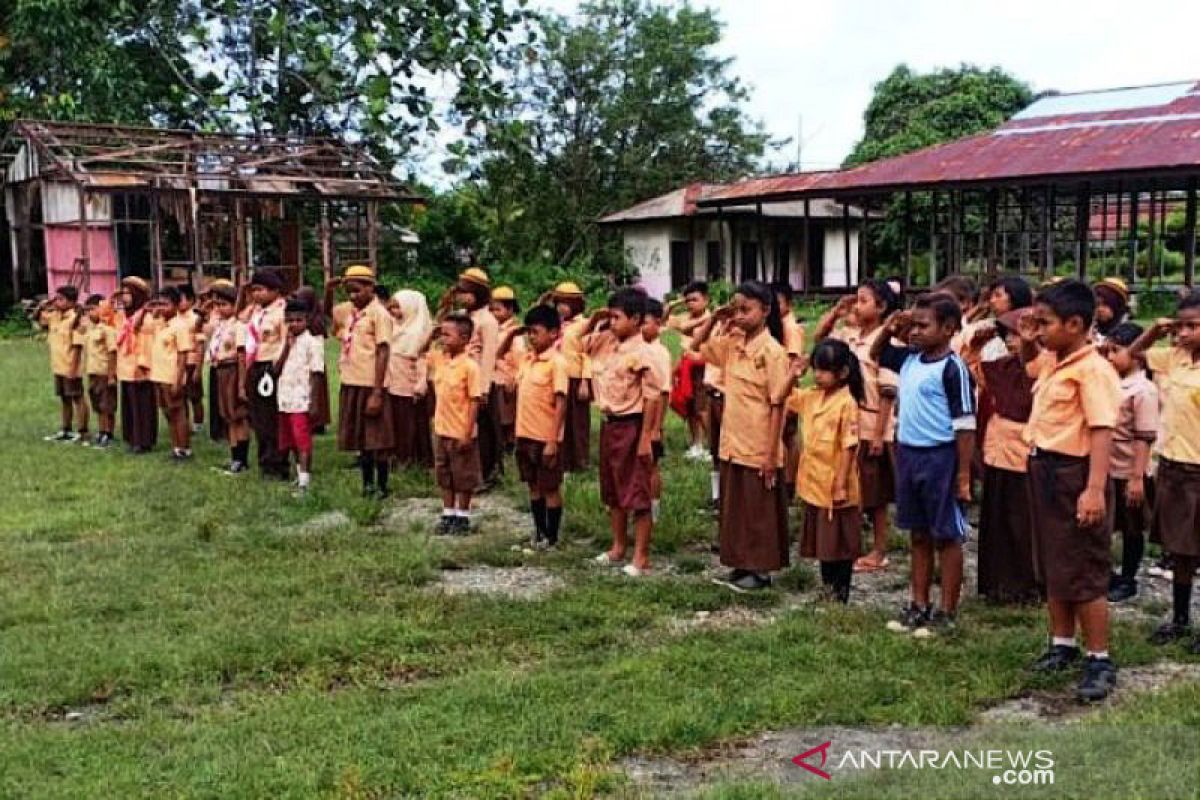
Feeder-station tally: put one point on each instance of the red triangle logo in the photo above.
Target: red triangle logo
(802, 760)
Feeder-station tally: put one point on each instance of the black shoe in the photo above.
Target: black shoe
(748, 582)
(730, 579)
(1194, 647)
(444, 526)
(383, 494)
(1114, 579)
(1056, 659)
(368, 490)
(911, 618)
(1122, 590)
(942, 622)
(1099, 679)
(461, 527)
(1169, 632)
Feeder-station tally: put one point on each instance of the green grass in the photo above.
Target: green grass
(211, 646)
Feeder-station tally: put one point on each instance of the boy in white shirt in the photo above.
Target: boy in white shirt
(300, 360)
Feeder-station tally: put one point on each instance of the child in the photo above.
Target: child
(1177, 484)
(407, 380)
(628, 393)
(577, 435)
(695, 300)
(365, 418)
(168, 369)
(194, 388)
(1129, 459)
(542, 387)
(1005, 573)
(58, 316)
(299, 362)
(935, 438)
(870, 306)
(505, 308)
(793, 342)
(216, 424)
(754, 363)
(660, 362)
(458, 392)
(319, 415)
(100, 346)
(265, 334)
(1075, 407)
(827, 480)
(1112, 307)
(473, 292)
(227, 355)
(139, 405)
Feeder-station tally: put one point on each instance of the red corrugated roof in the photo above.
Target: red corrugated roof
(1103, 135)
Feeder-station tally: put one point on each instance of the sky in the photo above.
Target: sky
(812, 65)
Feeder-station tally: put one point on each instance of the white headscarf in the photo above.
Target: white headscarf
(415, 326)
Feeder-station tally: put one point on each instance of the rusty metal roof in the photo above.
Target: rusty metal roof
(680, 202)
(122, 157)
(1100, 136)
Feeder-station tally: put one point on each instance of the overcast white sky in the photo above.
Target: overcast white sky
(819, 60)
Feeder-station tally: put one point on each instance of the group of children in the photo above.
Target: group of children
(1065, 398)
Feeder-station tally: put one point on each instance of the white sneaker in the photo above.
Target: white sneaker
(634, 572)
(605, 560)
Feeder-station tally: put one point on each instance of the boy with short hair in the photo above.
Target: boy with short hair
(504, 308)
(58, 316)
(935, 441)
(628, 393)
(193, 389)
(541, 413)
(1075, 406)
(227, 355)
(660, 361)
(300, 360)
(265, 333)
(695, 300)
(458, 392)
(168, 369)
(100, 348)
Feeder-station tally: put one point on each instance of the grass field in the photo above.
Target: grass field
(169, 631)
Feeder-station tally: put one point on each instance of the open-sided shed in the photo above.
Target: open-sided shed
(88, 204)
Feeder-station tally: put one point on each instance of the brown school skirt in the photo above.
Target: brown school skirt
(716, 412)
(1177, 513)
(68, 388)
(624, 478)
(230, 406)
(577, 433)
(831, 534)
(456, 469)
(103, 394)
(1006, 539)
(876, 476)
(218, 431)
(139, 417)
(357, 430)
(411, 423)
(534, 470)
(754, 523)
(506, 405)
(319, 415)
(1073, 563)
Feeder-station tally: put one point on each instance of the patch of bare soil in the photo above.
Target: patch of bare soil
(518, 583)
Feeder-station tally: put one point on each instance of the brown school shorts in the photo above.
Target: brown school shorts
(1177, 512)
(103, 394)
(1073, 563)
(68, 388)
(534, 470)
(624, 478)
(876, 476)
(456, 469)
(168, 397)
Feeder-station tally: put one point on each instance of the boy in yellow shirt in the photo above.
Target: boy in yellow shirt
(100, 349)
(168, 369)
(58, 316)
(458, 392)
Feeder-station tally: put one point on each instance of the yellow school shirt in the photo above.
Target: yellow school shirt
(1178, 376)
(756, 377)
(456, 382)
(541, 377)
(173, 338)
(195, 356)
(828, 432)
(361, 332)
(60, 335)
(100, 347)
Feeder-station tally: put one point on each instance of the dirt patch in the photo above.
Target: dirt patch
(492, 513)
(321, 523)
(518, 583)
(721, 619)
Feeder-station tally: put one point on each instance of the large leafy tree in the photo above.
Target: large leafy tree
(624, 100)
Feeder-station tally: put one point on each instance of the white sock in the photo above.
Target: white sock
(303, 478)
(1097, 654)
(1065, 641)
(449, 512)
(715, 479)
(654, 510)
(465, 513)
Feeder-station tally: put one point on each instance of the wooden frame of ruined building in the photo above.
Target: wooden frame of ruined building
(217, 188)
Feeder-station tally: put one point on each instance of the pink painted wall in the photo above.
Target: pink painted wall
(63, 247)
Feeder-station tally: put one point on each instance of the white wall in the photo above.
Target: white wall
(835, 257)
(648, 247)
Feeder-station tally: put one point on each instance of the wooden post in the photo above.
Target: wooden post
(992, 217)
(156, 240)
(807, 263)
(326, 260)
(933, 239)
(1023, 263)
(237, 249)
(1048, 217)
(1189, 236)
(1082, 217)
(865, 270)
(1151, 239)
(846, 242)
(373, 234)
(760, 269)
(197, 244)
(84, 244)
(1133, 231)
(908, 238)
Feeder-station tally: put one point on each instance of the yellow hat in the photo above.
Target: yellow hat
(475, 275)
(358, 272)
(219, 283)
(1117, 285)
(503, 293)
(568, 289)
(134, 282)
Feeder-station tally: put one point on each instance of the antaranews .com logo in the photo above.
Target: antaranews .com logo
(1007, 767)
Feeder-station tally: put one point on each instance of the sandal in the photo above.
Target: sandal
(867, 564)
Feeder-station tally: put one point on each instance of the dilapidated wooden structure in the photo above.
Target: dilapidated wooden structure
(1089, 178)
(89, 204)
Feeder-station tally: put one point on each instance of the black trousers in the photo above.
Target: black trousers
(217, 430)
(264, 421)
(491, 436)
(139, 414)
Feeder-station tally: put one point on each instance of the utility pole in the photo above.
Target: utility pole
(800, 143)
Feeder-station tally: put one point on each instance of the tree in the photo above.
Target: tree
(910, 111)
(625, 101)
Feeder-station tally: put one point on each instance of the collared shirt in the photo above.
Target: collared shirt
(660, 362)
(60, 333)
(756, 379)
(936, 398)
(225, 337)
(1072, 397)
(1137, 421)
(484, 344)
(623, 374)
(195, 356)
(829, 433)
(266, 331)
(407, 376)
(134, 345)
(680, 321)
(877, 382)
(100, 347)
(506, 366)
(361, 332)
(171, 339)
(295, 380)
(1179, 378)
(573, 349)
(456, 382)
(541, 377)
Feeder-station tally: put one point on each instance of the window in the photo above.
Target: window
(712, 261)
(681, 264)
(749, 261)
